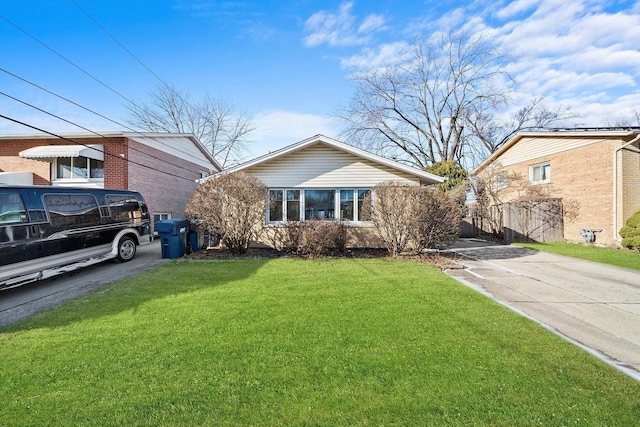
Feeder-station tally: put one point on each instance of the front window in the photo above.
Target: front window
(364, 205)
(540, 174)
(289, 205)
(275, 205)
(293, 205)
(346, 205)
(319, 204)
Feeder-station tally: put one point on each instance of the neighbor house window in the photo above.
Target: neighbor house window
(307, 204)
(78, 168)
(540, 174)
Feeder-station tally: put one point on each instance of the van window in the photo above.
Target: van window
(123, 207)
(12, 208)
(71, 209)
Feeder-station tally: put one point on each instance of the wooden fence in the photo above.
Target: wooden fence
(530, 221)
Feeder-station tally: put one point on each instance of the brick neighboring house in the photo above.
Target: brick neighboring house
(163, 167)
(598, 170)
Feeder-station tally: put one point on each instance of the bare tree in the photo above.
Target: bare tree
(632, 119)
(219, 124)
(493, 133)
(439, 103)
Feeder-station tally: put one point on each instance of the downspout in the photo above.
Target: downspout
(615, 185)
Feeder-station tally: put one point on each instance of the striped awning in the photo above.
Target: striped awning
(47, 153)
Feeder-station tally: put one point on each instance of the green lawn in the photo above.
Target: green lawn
(299, 342)
(617, 257)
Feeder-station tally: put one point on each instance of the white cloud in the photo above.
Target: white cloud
(383, 55)
(372, 23)
(339, 28)
(516, 7)
(577, 54)
(276, 129)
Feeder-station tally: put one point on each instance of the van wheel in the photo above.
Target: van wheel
(126, 249)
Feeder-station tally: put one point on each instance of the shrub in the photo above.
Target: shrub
(394, 214)
(317, 237)
(408, 214)
(631, 232)
(439, 220)
(232, 205)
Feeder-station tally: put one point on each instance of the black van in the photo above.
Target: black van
(46, 231)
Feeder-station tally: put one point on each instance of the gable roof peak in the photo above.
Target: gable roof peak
(322, 139)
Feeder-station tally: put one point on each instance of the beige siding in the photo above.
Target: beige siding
(541, 147)
(320, 166)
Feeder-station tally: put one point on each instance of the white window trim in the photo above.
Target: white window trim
(539, 165)
(336, 203)
(55, 178)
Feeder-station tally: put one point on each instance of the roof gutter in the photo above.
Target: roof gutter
(615, 185)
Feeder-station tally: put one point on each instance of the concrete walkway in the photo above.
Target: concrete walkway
(594, 305)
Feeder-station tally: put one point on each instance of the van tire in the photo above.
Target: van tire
(126, 249)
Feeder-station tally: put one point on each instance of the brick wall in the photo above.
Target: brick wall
(10, 161)
(165, 181)
(584, 177)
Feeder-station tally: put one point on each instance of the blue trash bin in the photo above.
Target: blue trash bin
(173, 237)
(193, 240)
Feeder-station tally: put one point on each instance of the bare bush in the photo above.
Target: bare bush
(393, 214)
(319, 237)
(232, 205)
(439, 220)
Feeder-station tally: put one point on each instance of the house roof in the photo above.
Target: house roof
(156, 140)
(568, 133)
(321, 139)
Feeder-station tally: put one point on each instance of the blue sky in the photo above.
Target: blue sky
(287, 63)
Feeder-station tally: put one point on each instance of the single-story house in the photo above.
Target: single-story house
(164, 168)
(597, 171)
(324, 179)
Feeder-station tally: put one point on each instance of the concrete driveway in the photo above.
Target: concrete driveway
(27, 300)
(593, 305)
